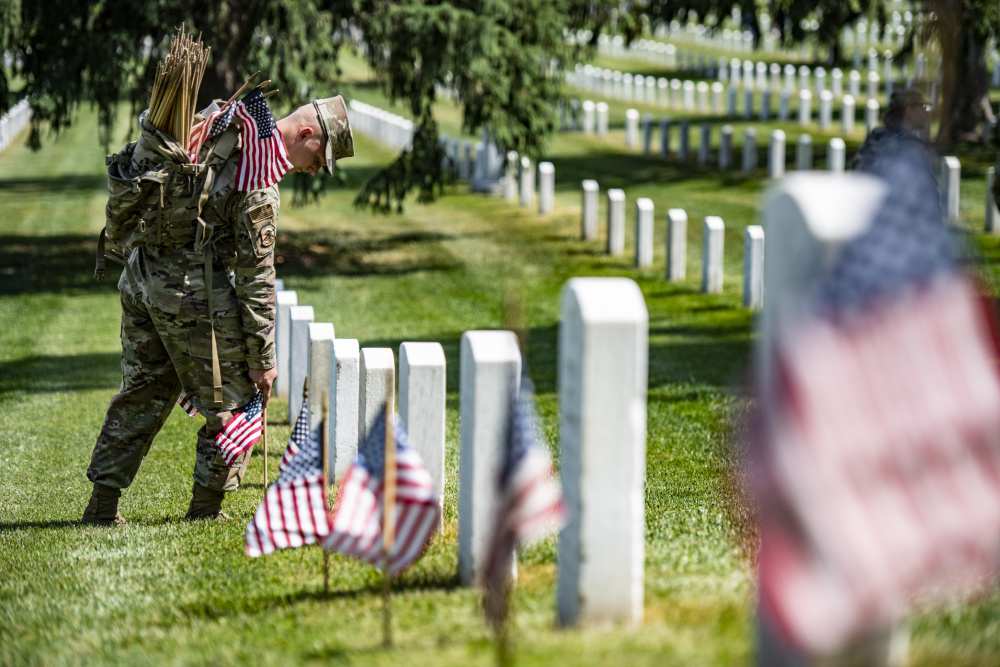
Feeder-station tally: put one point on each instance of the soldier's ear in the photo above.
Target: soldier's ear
(305, 132)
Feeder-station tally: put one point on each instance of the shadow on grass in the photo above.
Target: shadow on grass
(45, 264)
(71, 372)
(54, 185)
(14, 526)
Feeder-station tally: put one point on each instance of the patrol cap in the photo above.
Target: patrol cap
(332, 113)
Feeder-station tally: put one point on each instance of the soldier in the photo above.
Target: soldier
(197, 296)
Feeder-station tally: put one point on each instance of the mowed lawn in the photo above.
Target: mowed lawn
(164, 590)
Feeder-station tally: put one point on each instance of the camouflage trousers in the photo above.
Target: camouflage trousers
(164, 352)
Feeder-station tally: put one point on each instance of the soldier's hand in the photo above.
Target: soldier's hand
(264, 380)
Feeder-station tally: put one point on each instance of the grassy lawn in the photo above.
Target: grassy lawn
(163, 590)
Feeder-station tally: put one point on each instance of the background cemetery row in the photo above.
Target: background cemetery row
(432, 275)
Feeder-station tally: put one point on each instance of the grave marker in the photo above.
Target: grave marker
(588, 211)
(546, 187)
(643, 232)
(378, 376)
(676, 244)
(713, 240)
(776, 155)
(299, 318)
(753, 267)
(282, 338)
(616, 221)
(422, 398)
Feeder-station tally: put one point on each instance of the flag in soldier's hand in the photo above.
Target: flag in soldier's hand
(357, 516)
(293, 512)
(529, 499)
(242, 432)
(877, 469)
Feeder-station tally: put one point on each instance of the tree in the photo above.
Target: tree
(504, 59)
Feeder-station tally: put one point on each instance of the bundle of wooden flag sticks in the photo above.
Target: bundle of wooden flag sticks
(175, 89)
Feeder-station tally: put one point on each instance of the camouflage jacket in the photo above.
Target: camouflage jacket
(244, 229)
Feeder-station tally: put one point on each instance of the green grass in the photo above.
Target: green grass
(163, 590)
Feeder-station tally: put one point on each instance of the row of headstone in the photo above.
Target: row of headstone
(694, 96)
(383, 126)
(761, 76)
(354, 382)
(676, 241)
(518, 183)
(13, 122)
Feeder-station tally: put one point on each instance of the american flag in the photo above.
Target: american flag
(357, 516)
(294, 511)
(186, 401)
(243, 431)
(264, 160)
(877, 473)
(216, 120)
(530, 505)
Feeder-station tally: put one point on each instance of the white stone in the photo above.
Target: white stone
(603, 343)
(951, 179)
(804, 153)
(631, 128)
(676, 244)
(776, 155)
(321, 382)
(422, 396)
(705, 144)
(847, 115)
(783, 105)
(689, 90)
(753, 267)
(726, 147)
(546, 187)
(378, 379)
(854, 83)
(837, 82)
(825, 110)
(748, 103)
(992, 212)
(712, 263)
(279, 285)
(765, 104)
(490, 371)
(602, 118)
(836, 155)
(588, 210)
(718, 91)
(805, 106)
(347, 400)
(873, 80)
(589, 123)
(749, 150)
(871, 114)
(510, 176)
(616, 221)
(299, 318)
(643, 232)
(703, 103)
(731, 99)
(282, 338)
(527, 181)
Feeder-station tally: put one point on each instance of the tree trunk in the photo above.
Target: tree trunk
(964, 80)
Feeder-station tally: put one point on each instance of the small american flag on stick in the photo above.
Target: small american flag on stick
(357, 515)
(216, 120)
(877, 469)
(530, 500)
(243, 431)
(293, 512)
(264, 160)
(186, 402)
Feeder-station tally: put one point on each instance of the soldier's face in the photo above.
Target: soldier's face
(307, 151)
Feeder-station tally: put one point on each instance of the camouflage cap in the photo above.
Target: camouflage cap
(332, 113)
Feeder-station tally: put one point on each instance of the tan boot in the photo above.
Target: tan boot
(102, 510)
(205, 504)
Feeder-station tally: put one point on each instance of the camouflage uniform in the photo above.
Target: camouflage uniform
(166, 334)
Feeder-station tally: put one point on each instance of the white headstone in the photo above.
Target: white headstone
(490, 370)
(804, 153)
(871, 114)
(703, 103)
(725, 147)
(603, 343)
(731, 99)
(643, 232)
(347, 403)
(616, 221)
(753, 267)
(748, 103)
(847, 115)
(588, 210)
(783, 104)
(805, 106)
(676, 244)
(601, 109)
(776, 155)
(689, 91)
(422, 395)
(749, 150)
(321, 381)
(992, 212)
(631, 128)
(713, 243)
(527, 181)
(589, 122)
(282, 338)
(705, 144)
(718, 103)
(825, 110)
(378, 378)
(510, 176)
(854, 83)
(873, 79)
(951, 179)
(837, 82)
(279, 285)
(299, 318)
(765, 104)
(836, 155)
(546, 187)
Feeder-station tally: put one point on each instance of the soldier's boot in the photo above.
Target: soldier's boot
(102, 510)
(205, 504)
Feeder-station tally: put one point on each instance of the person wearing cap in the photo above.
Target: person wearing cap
(196, 327)
(907, 122)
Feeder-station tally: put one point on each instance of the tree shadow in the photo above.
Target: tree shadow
(60, 373)
(15, 526)
(63, 184)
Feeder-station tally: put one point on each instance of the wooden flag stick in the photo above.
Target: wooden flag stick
(326, 477)
(264, 438)
(388, 516)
